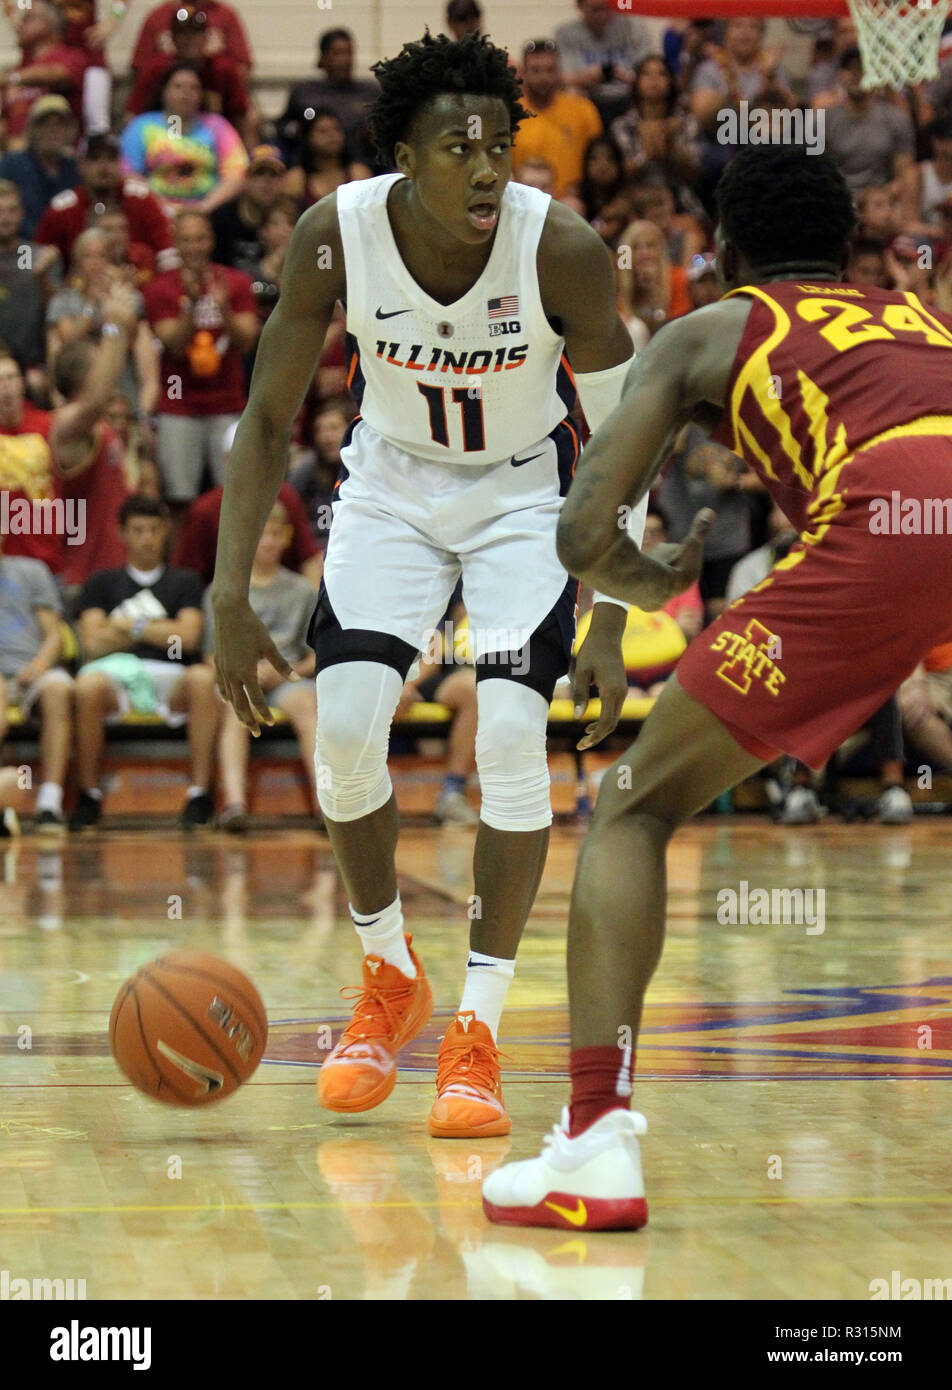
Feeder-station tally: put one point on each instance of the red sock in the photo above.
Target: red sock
(601, 1081)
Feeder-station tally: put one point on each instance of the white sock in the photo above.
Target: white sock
(50, 798)
(381, 934)
(487, 983)
(194, 791)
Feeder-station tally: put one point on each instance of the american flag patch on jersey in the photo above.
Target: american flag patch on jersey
(505, 308)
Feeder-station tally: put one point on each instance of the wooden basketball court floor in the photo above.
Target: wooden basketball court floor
(798, 1086)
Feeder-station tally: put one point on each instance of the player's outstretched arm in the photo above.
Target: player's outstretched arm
(683, 372)
(312, 282)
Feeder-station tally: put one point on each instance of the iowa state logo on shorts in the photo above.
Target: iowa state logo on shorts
(752, 655)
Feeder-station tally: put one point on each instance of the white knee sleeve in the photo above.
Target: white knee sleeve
(511, 757)
(355, 705)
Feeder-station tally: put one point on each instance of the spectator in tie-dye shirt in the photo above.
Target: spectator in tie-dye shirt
(189, 157)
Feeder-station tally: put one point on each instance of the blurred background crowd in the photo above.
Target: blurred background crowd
(157, 204)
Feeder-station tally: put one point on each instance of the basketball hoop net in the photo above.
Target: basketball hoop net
(899, 40)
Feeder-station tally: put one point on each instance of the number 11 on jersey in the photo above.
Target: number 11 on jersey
(470, 401)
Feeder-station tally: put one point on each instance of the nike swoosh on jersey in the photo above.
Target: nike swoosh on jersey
(206, 1079)
(517, 463)
(575, 1218)
(392, 315)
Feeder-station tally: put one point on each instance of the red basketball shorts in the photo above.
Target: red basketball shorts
(802, 661)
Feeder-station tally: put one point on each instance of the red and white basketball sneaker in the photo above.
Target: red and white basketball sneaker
(590, 1183)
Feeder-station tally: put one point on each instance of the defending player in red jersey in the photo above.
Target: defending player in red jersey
(838, 398)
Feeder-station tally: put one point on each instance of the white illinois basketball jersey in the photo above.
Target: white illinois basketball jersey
(470, 382)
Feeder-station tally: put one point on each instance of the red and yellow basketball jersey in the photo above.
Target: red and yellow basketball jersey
(825, 370)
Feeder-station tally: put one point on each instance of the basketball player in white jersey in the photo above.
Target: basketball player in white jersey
(464, 295)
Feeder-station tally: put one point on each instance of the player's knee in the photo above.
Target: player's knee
(350, 759)
(511, 757)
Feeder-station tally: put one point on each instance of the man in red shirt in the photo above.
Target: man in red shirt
(104, 187)
(26, 475)
(49, 65)
(222, 81)
(87, 453)
(226, 34)
(206, 318)
(198, 539)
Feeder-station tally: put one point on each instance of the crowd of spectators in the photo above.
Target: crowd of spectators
(144, 221)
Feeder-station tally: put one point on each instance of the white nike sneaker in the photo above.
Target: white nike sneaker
(590, 1183)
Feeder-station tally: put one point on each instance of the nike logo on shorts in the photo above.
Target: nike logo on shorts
(517, 463)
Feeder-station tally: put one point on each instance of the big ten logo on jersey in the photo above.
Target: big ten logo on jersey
(503, 315)
(232, 1026)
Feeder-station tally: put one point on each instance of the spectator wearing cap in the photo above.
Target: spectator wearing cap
(872, 141)
(226, 92)
(80, 311)
(236, 224)
(463, 17)
(188, 157)
(100, 186)
(48, 66)
(338, 89)
(198, 537)
(225, 33)
(702, 282)
(322, 160)
(206, 319)
(29, 276)
(564, 122)
(46, 167)
(600, 52)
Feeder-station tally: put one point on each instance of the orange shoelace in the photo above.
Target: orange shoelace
(377, 1013)
(475, 1063)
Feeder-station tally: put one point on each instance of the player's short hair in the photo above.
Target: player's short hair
(430, 67)
(137, 505)
(781, 206)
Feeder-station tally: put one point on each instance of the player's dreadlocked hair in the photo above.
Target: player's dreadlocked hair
(431, 66)
(783, 207)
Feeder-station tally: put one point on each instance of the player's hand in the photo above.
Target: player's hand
(679, 565)
(241, 641)
(599, 662)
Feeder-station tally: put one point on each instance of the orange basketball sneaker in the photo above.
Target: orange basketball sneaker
(390, 1010)
(469, 1102)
